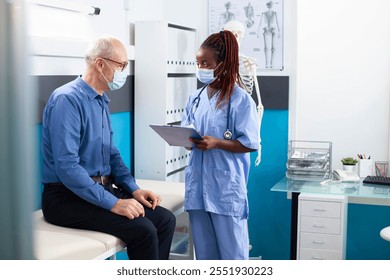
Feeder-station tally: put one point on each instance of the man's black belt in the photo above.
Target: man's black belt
(101, 180)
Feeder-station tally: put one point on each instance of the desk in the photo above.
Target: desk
(356, 193)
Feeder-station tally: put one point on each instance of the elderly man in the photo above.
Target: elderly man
(86, 183)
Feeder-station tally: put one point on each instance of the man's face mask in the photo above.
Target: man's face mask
(118, 80)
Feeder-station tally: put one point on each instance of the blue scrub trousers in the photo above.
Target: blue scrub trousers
(219, 237)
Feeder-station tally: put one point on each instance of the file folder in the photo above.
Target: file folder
(176, 135)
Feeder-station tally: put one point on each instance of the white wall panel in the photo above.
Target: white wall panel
(58, 38)
(343, 70)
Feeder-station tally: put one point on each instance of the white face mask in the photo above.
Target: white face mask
(118, 80)
(206, 76)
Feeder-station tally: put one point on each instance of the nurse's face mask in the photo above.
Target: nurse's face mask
(119, 78)
(206, 76)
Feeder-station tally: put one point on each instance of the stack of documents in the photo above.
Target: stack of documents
(308, 163)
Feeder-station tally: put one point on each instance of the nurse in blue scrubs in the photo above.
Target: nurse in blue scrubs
(217, 174)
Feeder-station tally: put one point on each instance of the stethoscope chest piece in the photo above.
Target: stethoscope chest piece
(227, 135)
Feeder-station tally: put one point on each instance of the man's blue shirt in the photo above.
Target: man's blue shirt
(77, 143)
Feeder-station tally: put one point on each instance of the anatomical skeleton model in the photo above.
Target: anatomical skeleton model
(247, 72)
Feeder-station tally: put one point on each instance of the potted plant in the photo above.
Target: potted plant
(349, 163)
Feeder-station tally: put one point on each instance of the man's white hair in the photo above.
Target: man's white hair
(100, 47)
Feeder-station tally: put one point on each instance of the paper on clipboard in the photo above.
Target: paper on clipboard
(176, 135)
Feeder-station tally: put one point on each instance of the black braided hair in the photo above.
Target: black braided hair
(225, 46)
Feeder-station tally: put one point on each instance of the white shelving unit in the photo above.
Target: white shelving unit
(164, 74)
(164, 78)
(322, 227)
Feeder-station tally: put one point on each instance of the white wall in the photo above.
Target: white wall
(59, 38)
(336, 54)
(188, 13)
(343, 76)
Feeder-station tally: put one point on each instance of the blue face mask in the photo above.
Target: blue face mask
(118, 81)
(206, 76)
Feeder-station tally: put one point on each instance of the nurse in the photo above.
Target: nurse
(217, 173)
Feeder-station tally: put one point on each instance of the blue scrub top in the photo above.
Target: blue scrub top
(216, 179)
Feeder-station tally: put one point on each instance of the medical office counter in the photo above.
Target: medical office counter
(327, 193)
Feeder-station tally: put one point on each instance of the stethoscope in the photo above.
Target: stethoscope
(227, 135)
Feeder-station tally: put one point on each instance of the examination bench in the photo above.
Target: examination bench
(53, 242)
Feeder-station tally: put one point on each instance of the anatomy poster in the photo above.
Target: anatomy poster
(263, 21)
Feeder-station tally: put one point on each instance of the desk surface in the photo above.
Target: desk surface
(358, 189)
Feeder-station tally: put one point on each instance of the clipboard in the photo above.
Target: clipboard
(176, 135)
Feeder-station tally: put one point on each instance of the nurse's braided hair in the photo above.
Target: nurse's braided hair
(225, 46)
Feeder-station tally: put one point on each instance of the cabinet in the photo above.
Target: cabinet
(164, 77)
(322, 227)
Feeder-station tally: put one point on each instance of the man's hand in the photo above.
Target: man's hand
(129, 208)
(147, 198)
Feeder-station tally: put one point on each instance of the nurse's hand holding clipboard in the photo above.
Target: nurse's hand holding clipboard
(209, 142)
